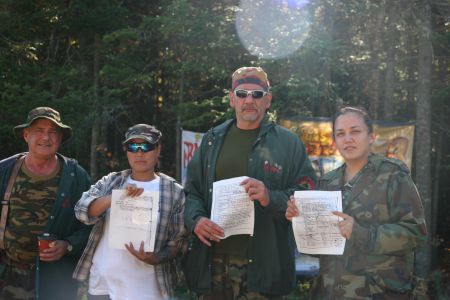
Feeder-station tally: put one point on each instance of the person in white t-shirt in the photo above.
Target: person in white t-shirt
(131, 273)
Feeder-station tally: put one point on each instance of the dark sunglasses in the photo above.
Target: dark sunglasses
(256, 94)
(145, 147)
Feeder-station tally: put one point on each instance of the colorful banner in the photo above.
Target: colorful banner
(395, 140)
(317, 135)
(190, 141)
(392, 140)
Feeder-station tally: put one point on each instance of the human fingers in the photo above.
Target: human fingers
(134, 191)
(256, 190)
(346, 219)
(133, 251)
(55, 252)
(207, 231)
(340, 214)
(205, 226)
(139, 253)
(346, 230)
(141, 248)
(130, 247)
(346, 224)
(138, 192)
(292, 210)
(252, 183)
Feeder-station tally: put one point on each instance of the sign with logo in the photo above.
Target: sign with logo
(190, 141)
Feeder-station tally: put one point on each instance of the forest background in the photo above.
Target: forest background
(108, 64)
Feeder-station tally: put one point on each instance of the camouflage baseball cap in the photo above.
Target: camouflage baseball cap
(254, 75)
(46, 113)
(146, 132)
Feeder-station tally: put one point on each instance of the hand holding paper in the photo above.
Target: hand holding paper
(133, 219)
(346, 225)
(256, 190)
(147, 257)
(316, 228)
(208, 231)
(232, 208)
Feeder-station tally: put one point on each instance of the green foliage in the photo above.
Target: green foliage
(208, 111)
(169, 63)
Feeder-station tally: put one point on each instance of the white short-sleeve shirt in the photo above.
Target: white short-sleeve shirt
(116, 272)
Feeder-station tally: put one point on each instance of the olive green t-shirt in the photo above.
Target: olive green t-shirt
(233, 162)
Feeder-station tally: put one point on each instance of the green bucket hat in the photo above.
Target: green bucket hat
(47, 113)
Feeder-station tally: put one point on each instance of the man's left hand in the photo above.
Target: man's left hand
(57, 250)
(256, 190)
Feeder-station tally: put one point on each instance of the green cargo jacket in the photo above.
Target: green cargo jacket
(62, 222)
(389, 223)
(278, 158)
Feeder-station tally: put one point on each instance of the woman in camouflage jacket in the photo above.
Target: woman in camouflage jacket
(382, 219)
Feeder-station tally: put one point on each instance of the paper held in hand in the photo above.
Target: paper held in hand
(316, 230)
(232, 209)
(133, 219)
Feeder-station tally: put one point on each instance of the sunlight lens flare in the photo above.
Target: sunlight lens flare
(273, 28)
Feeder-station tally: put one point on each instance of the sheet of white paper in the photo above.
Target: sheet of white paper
(316, 230)
(133, 219)
(232, 209)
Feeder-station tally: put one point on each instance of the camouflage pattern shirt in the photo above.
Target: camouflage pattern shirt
(389, 224)
(31, 204)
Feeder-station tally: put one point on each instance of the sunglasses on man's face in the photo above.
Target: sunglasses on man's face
(256, 94)
(145, 147)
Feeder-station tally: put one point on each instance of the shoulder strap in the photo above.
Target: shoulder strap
(5, 201)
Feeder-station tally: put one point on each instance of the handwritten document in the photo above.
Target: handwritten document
(232, 209)
(133, 219)
(316, 230)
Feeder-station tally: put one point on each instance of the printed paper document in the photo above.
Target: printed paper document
(232, 209)
(316, 230)
(133, 219)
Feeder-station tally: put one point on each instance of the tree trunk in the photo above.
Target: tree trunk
(437, 177)
(178, 128)
(329, 18)
(389, 82)
(374, 83)
(97, 111)
(423, 132)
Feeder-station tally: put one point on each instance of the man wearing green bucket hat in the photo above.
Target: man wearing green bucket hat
(39, 189)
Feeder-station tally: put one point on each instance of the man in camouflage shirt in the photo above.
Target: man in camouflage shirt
(45, 190)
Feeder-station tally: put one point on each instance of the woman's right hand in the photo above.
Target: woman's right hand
(132, 190)
(292, 210)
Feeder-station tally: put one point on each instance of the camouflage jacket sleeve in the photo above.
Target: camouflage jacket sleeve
(398, 223)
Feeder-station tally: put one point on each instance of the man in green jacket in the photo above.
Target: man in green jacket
(43, 189)
(276, 163)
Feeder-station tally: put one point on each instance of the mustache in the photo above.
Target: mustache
(248, 107)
